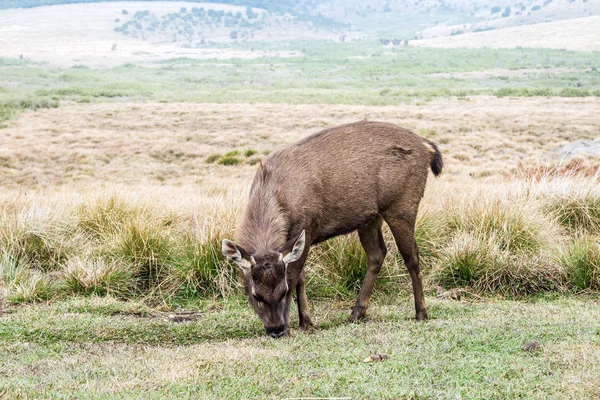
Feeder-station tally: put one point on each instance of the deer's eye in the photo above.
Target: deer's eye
(259, 300)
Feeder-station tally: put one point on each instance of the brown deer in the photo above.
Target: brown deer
(347, 178)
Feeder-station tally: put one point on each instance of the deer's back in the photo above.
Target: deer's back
(337, 179)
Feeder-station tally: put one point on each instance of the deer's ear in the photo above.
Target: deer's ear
(297, 250)
(238, 255)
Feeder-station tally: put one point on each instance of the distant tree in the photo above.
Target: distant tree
(506, 12)
(234, 35)
(249, 13)
(183, 10)
(124, 12)
(496, 9)
(387, 8)
(535, 8)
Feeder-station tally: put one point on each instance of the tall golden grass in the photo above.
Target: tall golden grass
(513, 238)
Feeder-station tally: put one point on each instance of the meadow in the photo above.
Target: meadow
(119, 184)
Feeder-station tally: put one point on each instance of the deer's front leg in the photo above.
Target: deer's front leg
(302, 299)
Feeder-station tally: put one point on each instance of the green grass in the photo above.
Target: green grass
(581, 260)
(383, 76)
(11, 107)
(99, 348)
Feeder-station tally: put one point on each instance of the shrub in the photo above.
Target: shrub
(35, 287)
(97, 277)
(574, 92)
(343, 261)
(41, 236)
(19, 283)
(514, 225)
(250, 152)
(576, 211)
(478, 262)
(431, 229)
(146, 246)
(212, 158)
(105, 217)
(491, 243)
(228, 160)
(202, 269)
(13, 271)
(581, 260)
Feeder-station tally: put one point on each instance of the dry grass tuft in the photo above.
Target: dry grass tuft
(89, 276)
(581, 260)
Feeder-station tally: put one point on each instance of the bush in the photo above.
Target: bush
(21, 284)
(202, 269)
(212, 158)
(478, 262)
(343, 261)
(146, 246)
(516, 227)
(228, 160)
(574, 92)
(581, 260)
(577, 211)
(97, 277)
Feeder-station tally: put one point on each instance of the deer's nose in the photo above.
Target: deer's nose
(276, 332)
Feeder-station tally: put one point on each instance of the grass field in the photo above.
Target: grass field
(100, 348)
(120, 199)
(118, 184)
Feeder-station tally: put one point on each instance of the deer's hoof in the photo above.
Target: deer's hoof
(306, 324)
(421, 315)
(357, 315)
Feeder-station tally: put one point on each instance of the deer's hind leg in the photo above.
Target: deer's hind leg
(402, 226)
(372, 241)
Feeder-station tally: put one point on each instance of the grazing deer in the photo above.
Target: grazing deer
(347, 178)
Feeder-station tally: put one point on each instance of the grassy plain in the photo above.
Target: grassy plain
(99, 197)
(118, 185)
(103, 348)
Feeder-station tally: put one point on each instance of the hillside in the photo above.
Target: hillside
(573, 34)
(437, 17)
(103, 34)
(72, 34)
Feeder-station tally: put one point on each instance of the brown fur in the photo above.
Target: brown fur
(346, 178)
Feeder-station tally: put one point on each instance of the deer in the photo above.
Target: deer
(347, 178)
